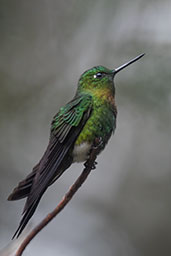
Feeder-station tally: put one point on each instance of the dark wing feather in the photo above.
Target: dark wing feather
(24, 186)
(66, 127)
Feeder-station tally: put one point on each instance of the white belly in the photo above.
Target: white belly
(80, 152)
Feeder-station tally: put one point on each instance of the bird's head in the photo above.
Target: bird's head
(100, 77)
(97, 77)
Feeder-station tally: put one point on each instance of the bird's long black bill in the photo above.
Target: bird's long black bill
(128, 63)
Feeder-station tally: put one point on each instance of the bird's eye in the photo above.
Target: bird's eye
(98, 75)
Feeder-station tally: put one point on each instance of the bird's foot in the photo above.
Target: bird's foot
(86, 164)
(97, 145)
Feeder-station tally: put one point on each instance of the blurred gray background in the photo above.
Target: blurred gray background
(124, 208)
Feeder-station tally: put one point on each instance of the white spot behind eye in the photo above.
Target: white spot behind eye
(98, 75)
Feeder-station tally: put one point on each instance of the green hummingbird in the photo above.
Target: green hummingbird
(89, 115)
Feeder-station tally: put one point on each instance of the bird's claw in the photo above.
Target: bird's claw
(86, 164)
(98, 142)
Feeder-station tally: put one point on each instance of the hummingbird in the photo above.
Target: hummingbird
(90, 115)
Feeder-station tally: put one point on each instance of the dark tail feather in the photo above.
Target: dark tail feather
(30, 207)
(19, 193)
(34, 186)
(27, 215)
(24, 187)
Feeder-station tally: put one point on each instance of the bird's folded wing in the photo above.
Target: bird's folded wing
(66, 126)
(65, 129)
